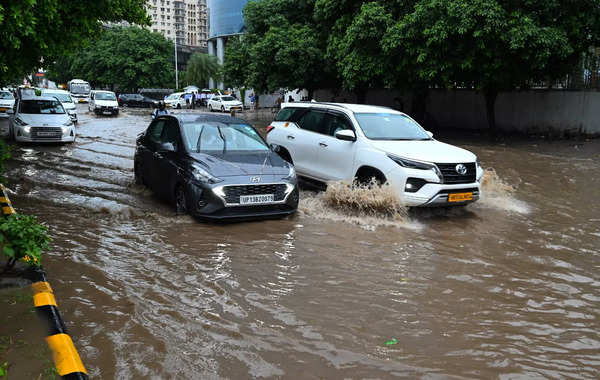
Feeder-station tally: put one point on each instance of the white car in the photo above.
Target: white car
(7, 101)
(67, 101)
(224, 103)
(175, 100)
(103, 103)
(41, 119)
(332, 142)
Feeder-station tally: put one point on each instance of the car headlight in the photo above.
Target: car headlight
(411, 164)
(291, 173)
(27, 129)
(20, 122)
(202, 175)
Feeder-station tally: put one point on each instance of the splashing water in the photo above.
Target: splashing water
(368, 206)
(497, 193)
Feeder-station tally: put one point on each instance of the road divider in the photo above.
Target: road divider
(66, 359)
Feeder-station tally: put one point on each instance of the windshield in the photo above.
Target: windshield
(6, 95)
(105, 96)
(173, 96)
(64, 98)
(227, 98)
(41, 107)
(390, 126)
(80, 88)
(213, 137)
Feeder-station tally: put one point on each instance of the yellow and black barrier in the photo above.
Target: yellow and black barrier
(66, 359)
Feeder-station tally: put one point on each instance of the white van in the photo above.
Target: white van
(103, 103)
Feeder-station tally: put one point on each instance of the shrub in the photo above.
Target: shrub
(24, 239)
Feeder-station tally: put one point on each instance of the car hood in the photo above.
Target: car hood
(427, 150)
(107, 103)
(232, 103)
(44, 120)
(246, 163)
(69, 106)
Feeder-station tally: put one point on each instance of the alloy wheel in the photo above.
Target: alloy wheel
(180, 201)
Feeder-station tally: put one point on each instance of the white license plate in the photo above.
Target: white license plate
(257, 199)
(107, 112)
(46, 134)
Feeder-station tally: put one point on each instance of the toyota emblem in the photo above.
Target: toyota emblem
(257, 179)
(461, 169)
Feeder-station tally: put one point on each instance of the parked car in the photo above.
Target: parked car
(7, 101)
(224, 103)
(137, 100)
(40, 119)
(214, 167)
(175, 100)
(103, 102)
(67, 102)
(332, 142)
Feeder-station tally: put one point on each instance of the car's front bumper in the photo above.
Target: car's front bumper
(105, 110)
(208, 202)
(45, 134)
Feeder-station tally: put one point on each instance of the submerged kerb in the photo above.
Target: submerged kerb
(66, 359)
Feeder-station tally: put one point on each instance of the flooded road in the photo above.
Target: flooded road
(506, 288)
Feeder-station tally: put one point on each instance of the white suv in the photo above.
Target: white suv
(332, 142)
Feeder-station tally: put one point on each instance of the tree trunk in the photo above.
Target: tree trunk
(9, 265)
(311, 93)
(490, 109)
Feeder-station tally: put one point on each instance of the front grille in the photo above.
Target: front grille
(451, 176)
(233, 193)
(46, 132)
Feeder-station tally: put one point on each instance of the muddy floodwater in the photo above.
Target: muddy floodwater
(505, 288)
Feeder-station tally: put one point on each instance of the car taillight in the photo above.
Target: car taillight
(270, 128)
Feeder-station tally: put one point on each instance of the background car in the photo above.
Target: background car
(7, 101)
(136, 100)
(224, 103)
(175, 100)
(214, 167)
(67, 101)
(41, 119)
(103, 102)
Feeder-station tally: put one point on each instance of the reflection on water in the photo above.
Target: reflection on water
(507, 287)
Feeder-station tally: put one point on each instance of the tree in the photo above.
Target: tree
(32, 29)
(491, 45)
(126, 57)
(236, 63)
(202, 67)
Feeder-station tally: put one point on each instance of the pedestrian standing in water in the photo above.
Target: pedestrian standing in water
(193, 100)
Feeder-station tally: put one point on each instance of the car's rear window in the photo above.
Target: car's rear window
(291, 113)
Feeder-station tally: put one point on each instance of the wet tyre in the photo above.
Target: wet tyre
(180, 200)
(210, 108)
(179, 106)
(222, 108)
(137, 174)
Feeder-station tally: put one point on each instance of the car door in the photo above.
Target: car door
(168, 163)
(149, 152)
(304, 142)
(335, 157)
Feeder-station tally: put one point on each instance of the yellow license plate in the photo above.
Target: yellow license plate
(460, 197)
(81, 100)
(2, 109)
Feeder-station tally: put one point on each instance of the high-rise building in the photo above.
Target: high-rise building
(185, 21)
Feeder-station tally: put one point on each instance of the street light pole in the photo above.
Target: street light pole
(176, 72)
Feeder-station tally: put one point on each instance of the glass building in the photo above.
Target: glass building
(226, 17)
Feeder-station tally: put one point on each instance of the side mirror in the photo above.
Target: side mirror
(166, 147)
(429, 134)
(345, 135)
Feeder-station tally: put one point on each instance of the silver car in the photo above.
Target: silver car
(67, 101)
(41, 119)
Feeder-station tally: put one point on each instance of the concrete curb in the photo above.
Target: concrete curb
(66, 359)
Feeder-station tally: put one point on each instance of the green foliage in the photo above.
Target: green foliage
(32, 29)
(4, 370)
(126, 57)
(23, 239)
(202, 67)
(4, 155)
(236, 63)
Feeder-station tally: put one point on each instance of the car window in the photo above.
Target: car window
(170, 134)
(390, 126)
(227, 98)
(41, 107)
(313, 121)
(155, 130)
(6, 95)
(336, 122)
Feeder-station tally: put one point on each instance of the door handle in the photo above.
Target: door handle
(323, 144)
(290, 137)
